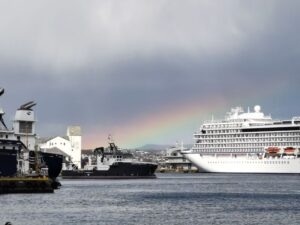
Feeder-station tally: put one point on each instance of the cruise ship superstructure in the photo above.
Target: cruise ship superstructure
(247, 142)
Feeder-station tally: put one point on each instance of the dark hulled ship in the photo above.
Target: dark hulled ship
(18, 153)
(111, 163)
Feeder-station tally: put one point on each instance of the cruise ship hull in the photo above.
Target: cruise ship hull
(119, 170)
(244, 164)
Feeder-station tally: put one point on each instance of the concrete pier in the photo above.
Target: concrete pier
(26, 185)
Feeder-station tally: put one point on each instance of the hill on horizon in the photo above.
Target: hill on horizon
(157, 147)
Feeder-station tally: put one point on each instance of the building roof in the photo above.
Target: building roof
(55, 150)
(43, 140)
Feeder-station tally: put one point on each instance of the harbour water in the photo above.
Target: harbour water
(170, 199)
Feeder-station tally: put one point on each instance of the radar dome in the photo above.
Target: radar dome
(257, 108)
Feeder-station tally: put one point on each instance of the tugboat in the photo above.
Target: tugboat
(111, 163)
(18, 152)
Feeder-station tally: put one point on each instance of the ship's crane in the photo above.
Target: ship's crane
(1, 111)
(1, 91)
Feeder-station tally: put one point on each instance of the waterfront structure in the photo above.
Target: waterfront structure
(173, 160)
(247, 142)
(70, 144)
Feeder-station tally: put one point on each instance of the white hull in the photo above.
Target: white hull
(247, 142)
(243, 164)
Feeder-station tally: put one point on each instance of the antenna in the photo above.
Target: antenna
(110, 138)
(111, 143)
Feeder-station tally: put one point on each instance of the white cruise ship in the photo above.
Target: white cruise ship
(247, 142)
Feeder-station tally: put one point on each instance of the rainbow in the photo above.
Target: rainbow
(171, 124)
(159, 127)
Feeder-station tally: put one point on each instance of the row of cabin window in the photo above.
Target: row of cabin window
(228, 150)
(222, 126)
(251, 162)
(261, 140)
(258, 135)
(248, 145)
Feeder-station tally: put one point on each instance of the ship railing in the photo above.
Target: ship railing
(225, 122)
(296, 118)
(215, 121)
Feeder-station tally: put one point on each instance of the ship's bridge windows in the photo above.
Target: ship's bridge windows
(25, 127)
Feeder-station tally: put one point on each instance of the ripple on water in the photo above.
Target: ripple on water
(171, 199)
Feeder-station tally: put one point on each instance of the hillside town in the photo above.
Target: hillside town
(169, 159)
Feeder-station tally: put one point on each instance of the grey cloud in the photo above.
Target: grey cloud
(105, 62)
(75, 35)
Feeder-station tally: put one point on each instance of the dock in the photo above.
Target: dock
(26, 185)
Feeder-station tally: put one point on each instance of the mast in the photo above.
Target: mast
(1, 111)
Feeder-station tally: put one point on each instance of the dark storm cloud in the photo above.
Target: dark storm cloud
(103, 62)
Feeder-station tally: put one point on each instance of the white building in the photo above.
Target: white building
(70, 144)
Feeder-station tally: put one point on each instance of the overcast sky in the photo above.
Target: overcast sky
(108, 66)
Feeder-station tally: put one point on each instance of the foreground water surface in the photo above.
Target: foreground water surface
(170, 199)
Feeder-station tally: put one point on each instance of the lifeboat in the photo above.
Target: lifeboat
(289, 150)
(273, 150)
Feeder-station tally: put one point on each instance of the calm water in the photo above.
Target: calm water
(170, 199)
